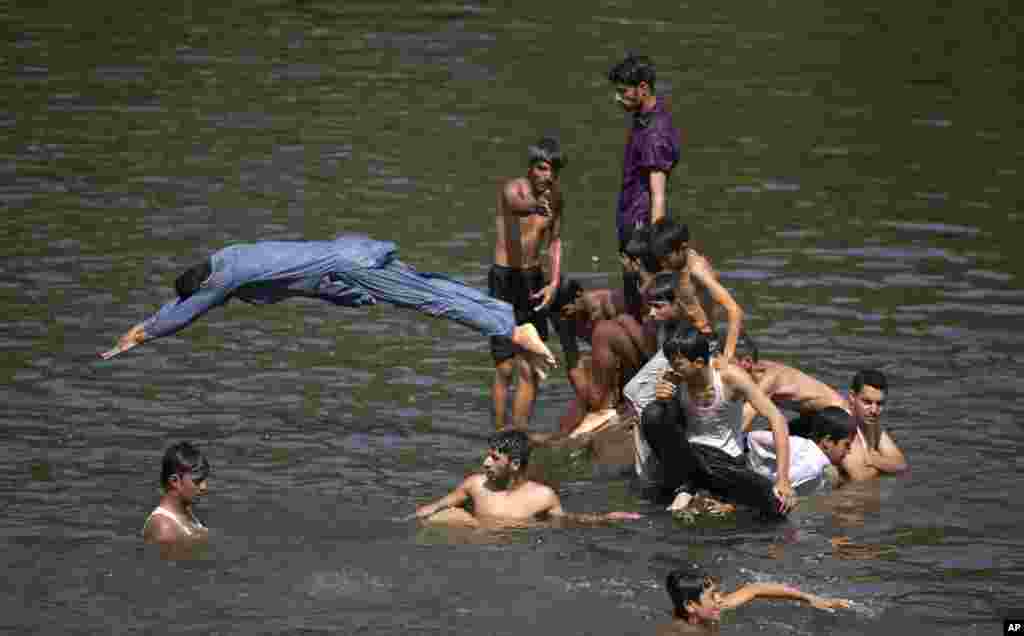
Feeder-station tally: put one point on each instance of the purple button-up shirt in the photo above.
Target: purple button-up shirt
(653, 144)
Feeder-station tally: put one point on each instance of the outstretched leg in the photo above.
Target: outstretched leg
(437, 295)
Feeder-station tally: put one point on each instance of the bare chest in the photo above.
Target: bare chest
(515, 504)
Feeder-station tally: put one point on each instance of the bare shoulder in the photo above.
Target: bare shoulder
(160, 529)
(474, 482)
(697, 262)
(537, 490)
(731, 372)
(516, 189)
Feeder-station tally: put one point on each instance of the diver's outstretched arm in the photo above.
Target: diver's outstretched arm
(134, 337)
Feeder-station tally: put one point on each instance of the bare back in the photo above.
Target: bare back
(521, 233)
(794, 389)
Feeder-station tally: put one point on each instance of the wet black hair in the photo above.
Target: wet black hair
(689, 343)
(192, 279)
(639, 247)
(667, 237)
(869, 377)
(548, 149)
(664, 287)
(830, 423)
(182, 458)
(515, 444)
(633, 70)
(835, 424)
(683, 587)
(746, 346)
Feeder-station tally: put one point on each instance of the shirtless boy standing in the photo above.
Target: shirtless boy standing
(503, 493)
(699, 293)
(528, 219)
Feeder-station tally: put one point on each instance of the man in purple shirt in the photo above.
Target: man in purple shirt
(652, 150)
(350, 271)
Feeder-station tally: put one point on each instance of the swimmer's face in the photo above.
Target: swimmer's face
(542, 175)
(836, 451)
(497, 466)
(709, 608)
(189, 486)
(867, 404)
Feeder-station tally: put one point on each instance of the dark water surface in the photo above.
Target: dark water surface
(853, 171)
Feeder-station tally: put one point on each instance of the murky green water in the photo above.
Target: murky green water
(851, 170)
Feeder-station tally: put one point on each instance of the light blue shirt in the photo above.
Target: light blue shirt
(272, 271)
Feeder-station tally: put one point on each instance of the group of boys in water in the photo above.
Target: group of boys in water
(657, 366)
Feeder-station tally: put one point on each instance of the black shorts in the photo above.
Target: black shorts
(514, 286)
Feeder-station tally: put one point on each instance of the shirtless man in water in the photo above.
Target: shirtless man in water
(873, 453)
(184, 478)
(503, 493)
(528, 219)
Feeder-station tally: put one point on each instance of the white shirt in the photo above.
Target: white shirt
(807, 462)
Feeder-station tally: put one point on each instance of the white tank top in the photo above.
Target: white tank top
(193, 526)
(716, 423)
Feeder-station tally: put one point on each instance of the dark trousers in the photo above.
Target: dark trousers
(692, 467)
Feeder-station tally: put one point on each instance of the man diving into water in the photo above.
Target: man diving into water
(350, 271)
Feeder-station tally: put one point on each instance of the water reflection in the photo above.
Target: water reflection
(858, 205)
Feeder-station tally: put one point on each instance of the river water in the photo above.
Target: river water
(852, 170)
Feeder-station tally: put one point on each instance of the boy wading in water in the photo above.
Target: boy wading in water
(184, 478)
(528, 219)
(502, 493)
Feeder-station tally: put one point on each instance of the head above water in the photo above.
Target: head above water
(183, 459)
(832, 423)
(192, 279)
(688, 343)
(513, 444)
(547, 150)
(869, 377)
(688, 590)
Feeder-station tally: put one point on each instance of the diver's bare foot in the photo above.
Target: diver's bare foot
(526, 336)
